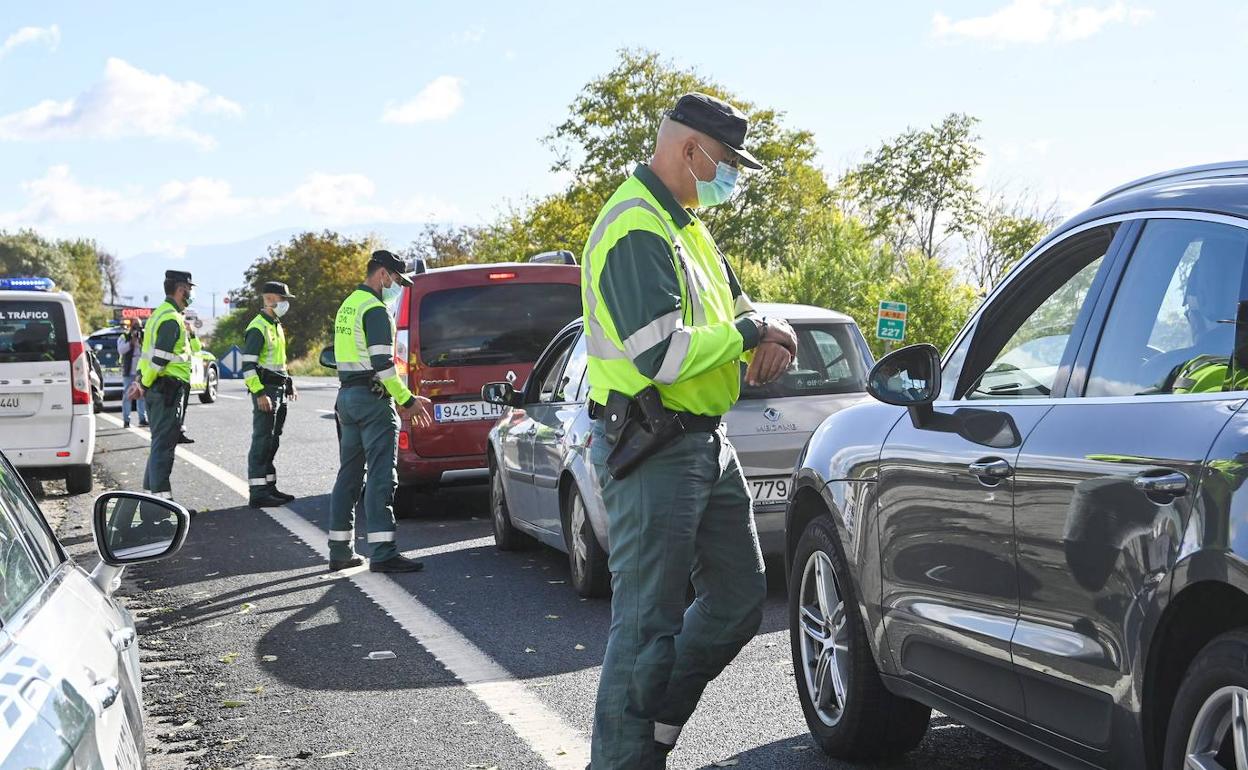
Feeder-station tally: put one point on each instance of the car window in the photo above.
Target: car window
(105, 347)
(494, 325)
(829, 361)
(548, 372)
(32, 331)
(20, 576)
(1171, 328)
(573, 384)
(1026, 333)
(22, 507)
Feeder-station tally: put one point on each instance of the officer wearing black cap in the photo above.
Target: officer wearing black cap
(667, 328)
(264, 374)
(368, 425)
(164, 378)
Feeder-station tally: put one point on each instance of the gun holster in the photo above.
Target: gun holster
(637, 428)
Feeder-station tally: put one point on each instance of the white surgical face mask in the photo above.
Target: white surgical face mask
(280, 308)
(390, 294)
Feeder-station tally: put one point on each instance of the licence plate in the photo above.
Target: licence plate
(10, 403)
(465, 411)
(770, 490)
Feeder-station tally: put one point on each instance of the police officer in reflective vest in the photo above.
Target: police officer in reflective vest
(368, 423)
(264, 374)
(668, 328)
(164, 377)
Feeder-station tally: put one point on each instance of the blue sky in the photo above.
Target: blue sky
(154, 125)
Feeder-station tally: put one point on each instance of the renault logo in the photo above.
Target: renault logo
(511, 377)
(772, 414)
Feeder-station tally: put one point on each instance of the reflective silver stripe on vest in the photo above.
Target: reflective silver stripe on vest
(743, 305)
(381, 537)
(380, 350)
(596, 341)
(652, 334)
(341, 535)
(248, 358)
(170, 357)
(387, 373)
(281, 371)
(677, 349)
(354, 366)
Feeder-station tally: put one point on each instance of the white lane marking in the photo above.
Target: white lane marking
(546, 733)
(226, 395)
(325, 411)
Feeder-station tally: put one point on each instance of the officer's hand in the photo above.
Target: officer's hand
(294, 393)
(420, 412)
(264, 404)
(136, 390)
(770, 361)
(779, 332)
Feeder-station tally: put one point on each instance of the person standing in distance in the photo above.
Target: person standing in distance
(368, 424)
(164, 378)
(264, 374)
(130, 350)
(664, 313)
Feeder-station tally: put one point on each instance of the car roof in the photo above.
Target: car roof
(55, 296)
(793, 312)
(474, 266)
(1214, 188)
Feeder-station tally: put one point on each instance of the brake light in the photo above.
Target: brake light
(401, 320)
(502, 276)
(405, 443)
(79, 376)
(62, 454)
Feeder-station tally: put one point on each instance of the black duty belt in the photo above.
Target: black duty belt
(694, 423)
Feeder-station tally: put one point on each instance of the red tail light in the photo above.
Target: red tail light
(502, 276)
(404, 301)
(405, 443)
(79, 373)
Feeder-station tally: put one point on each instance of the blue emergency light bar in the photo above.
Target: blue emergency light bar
(27, 284)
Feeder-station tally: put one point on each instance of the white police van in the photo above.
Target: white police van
(46, 424)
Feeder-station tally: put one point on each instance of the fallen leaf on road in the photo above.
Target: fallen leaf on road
(229, 658)
(726, 763)
(579, 647)
(186, 725)
(232, 704)
(552, 617)
(246, 608)
(268, 658)
(529, 649)
(218, 685)
(256, 690)
(215, 625)
(228, 741)
(555, 582)
(212, 574)
(800, 748)
(334, 754)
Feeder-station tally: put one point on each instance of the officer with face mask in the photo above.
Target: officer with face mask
(667, 327)
(368, 423)
(264, 374)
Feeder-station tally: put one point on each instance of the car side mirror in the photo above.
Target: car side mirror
(909, 377)
(132, 527)
(327, 357)
(500, 393)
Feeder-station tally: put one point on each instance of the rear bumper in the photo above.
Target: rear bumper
(416, 470)
(770, 523)
(44, 461)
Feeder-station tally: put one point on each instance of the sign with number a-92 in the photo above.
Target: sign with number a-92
(891, 322)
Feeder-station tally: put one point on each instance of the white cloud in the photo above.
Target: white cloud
(49, 36)
(127, 102)
(58, 199)
(439, 100)
(470, 36)
(1039, 21)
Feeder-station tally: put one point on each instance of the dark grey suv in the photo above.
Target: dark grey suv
(1044, 534)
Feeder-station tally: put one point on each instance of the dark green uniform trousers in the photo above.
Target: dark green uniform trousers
(368, 435)
(266, 437)
(164, 414)
(685, 512)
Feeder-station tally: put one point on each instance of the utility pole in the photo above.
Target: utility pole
(214, 304)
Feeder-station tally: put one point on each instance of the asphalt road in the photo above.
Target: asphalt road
(256, 656)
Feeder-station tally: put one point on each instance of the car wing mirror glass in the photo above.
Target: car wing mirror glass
(132, 527)
(500, 393)
(909, 377)
(327, 357)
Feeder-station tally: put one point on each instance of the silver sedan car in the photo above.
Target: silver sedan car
(542, 485)
(70, 691)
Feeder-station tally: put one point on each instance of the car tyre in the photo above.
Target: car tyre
(78, 480)
(211, 380)
(1212, 699)
(851, 715)
(587, 559)
(506, 536)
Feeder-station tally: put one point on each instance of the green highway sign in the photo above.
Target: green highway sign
(891, 321)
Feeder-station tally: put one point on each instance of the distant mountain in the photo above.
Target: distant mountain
(219, 267)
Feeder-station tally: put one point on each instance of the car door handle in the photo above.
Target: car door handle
(993, 469)
(1174, 483)
(122, 638)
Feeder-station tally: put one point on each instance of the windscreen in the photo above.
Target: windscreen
(105, 347)
(494, 325)
(32, 331)
(829, 362)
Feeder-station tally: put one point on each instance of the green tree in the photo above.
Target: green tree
(84, 264)
(1002, 234)
(917, 190)
(26, 253)
(321, 269)
(443, 246)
